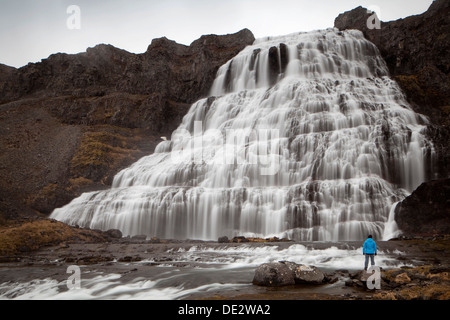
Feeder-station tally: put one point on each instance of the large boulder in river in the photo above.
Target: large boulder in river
(285, 273)
(305, 274)
(275, 274)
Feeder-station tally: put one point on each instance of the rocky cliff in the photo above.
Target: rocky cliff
(69, 123)
(426, 211)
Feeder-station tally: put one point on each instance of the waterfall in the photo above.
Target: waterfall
(303, 136)
(391, 228)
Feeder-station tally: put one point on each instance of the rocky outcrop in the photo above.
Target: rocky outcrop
(176, 72)
(406, 283)
(69, 123)
(420, 283)
(426, 211)
(39, 233)
(285, 273)
(416, 52)
(305, 274)
(107, 85)
(410, 46)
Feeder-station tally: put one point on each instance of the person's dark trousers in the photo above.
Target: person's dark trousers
(372, 260)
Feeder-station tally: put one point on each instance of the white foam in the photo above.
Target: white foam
(215, 269)
(103, 287)
(251, 256)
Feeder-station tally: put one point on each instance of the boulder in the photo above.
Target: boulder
(223, 239)
(239, 239)
(305, 274)
(275, 274)
(114, 234)
(285, 273)
(358, 279)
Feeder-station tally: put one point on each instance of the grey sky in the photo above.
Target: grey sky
(31, 30)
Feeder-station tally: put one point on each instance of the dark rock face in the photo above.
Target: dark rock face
(107, 85)
(427, 210)
(416, 52)
(411, 44)
(69, 123)
(177, 72)
(166, 76)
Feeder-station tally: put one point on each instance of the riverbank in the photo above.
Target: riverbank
(113, 267)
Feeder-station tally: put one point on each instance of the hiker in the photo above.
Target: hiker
(369, 250)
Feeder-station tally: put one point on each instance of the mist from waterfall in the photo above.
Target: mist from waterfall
(303, 136)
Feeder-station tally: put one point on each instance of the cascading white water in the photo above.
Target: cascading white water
(304, 136)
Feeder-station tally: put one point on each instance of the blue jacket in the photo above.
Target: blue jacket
(370, 247)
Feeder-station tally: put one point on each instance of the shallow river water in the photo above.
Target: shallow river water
(184, 272)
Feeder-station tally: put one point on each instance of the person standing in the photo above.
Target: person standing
(370, 251)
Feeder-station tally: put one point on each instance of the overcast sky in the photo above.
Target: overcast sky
(31, 30)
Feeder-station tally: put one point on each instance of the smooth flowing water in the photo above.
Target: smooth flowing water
(304, 136)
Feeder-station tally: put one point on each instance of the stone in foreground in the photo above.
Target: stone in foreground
(285, 273)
